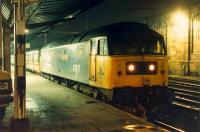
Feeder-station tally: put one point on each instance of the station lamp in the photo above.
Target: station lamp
(180, 18)
(180, 22)
(26, 31)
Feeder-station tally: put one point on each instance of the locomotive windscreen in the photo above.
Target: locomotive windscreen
(141, 43)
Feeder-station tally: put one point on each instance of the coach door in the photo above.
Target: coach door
(93, 54)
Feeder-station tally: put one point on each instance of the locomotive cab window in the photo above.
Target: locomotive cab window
(154, 47)
(130, 44)
(102, 47)
(93, 46)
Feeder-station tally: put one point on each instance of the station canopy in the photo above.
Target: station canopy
(7, 12)
(40, 14)
(43, 13)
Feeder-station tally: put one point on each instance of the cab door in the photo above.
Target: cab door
(93, 55)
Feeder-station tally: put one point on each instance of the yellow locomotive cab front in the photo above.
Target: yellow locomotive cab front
(113, 72)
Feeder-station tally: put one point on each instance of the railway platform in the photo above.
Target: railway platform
(55, 108)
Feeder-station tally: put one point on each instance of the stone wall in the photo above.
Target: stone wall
(175, 28)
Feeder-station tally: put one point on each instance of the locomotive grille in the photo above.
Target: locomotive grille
(141, 68)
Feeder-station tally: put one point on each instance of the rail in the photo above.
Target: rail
(167, 126)
(187, 93)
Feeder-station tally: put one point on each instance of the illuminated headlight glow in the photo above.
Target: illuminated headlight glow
(4, 85)
(131, 67)
(141, 68)
(152, 67)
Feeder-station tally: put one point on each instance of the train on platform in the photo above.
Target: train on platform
(124, 62)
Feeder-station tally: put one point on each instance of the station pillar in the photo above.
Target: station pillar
(20, 120)
(1, 38)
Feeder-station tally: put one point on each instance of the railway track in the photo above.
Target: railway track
(167, 126)
(187, 93)
(185, 106)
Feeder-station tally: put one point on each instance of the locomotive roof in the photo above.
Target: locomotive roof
(102, 31)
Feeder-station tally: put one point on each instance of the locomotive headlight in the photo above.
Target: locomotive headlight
(131, 67)
(152, 67)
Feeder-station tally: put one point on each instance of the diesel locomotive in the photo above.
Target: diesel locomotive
(124, 62)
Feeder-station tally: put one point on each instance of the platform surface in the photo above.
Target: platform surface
(55, 108)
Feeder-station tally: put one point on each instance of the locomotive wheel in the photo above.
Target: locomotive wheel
(140, 111)
(103, 98)
(70, 84)
(125, 97)
(99, 96)
(130, 103)
(94, 94)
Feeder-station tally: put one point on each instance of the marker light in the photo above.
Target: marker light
(131, 67)
(152, 67)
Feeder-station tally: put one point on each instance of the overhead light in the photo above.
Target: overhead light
(179, 20)
(73, 14)
(26, 31)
